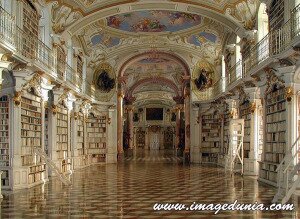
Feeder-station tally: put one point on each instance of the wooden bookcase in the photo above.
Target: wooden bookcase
(226, 120)
(62, 147)
(80, 134)
(245, 113)
(31, 28)
(96, 136)
(275, 133)
(140, 138)
(31, 127)
(210, 138)
(31, 136)
(4, 141)
(46, 134)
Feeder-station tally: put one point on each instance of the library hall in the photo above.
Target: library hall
(124, 109)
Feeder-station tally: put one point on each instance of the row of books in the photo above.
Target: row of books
(210, 144)
(32, 120)
(277, 95)
(37, 168)
(36, 128)
(97, 129)
(32, 142)
(275, 108)
(3, 134)
(210, 116)
(278, 137)
(61, 138)
(27, 159)
(36, 177)
(4, 118)
(269, 175)
(3, 104)
(25, 133)
(4, 163)
(275, 148)
(96, 135)
(276, 117)
(30, 113)
(275, 158)
(97, 126)
(97, 145)
(31, 107)
(4, 111)
(276, 127)
(4, 156)
(4, 144)
(62, 131)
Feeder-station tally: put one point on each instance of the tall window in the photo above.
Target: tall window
(263, 30)
(61, 62)
(30, 26)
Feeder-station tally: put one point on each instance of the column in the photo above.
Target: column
(112, 142)
(130, 126)
(177, 129)
(76, 161)
(187, 125)
(195, 132)
(251, 163)
(120, 124)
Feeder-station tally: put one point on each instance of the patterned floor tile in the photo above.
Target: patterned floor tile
(130, 189)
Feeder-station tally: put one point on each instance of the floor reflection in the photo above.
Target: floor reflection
(130, 189)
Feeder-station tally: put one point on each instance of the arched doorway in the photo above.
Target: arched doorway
(154, 82)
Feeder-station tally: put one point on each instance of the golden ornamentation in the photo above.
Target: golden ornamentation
(289, 92)
(17, 98)
(108, 121)
(54, 109)
(252, 107)
(75, 115)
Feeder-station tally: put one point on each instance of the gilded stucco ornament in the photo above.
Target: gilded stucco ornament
(252, 107)
(289, 92)
(17, 98)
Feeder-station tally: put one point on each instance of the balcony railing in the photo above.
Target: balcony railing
(235, 73)
(72, 77)
(30, 47)
(7, 27)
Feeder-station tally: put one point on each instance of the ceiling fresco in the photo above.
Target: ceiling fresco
(153, 21)
(104, 40)
(202, 38)
(153, 67)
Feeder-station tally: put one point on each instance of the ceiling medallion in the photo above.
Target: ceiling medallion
(103, 78)
(204, 80)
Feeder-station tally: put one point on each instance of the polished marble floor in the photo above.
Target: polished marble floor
(130, 189)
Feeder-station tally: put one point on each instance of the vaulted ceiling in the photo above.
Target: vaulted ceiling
(113, 31)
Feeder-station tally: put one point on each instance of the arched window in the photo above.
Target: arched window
(6, 5)
(263, 22)
(61, 62)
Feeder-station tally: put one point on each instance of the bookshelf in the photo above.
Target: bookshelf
(4, 141)
(62, 136)
(31, 28)
(226, 120)
(46, 132)
(80, 134)
(31, 137)
(96, 136)
(210, 138)
(276, 14)
(245, 113)
(275, 133)
(140, 138)
(31, 127)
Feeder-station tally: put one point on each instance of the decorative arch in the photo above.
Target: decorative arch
(148, 54)
(157, 80)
